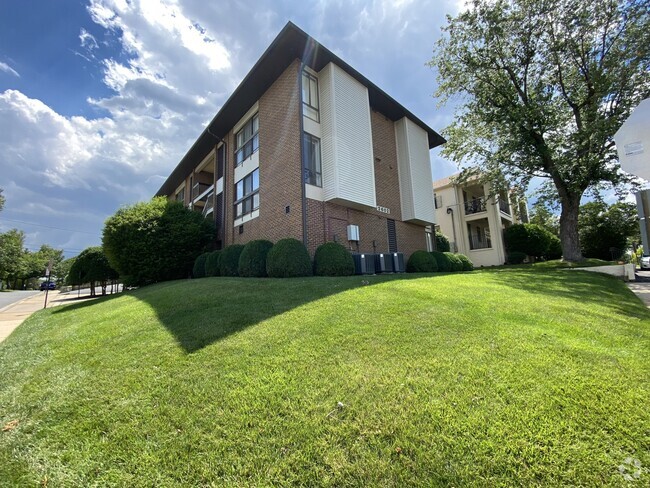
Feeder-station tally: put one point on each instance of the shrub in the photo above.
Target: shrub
(229, 261)
(213, 264)
(198, 271)
(155, 241)
(288, 258)
(444, 264)
(516, 257)
(456, 263)
(332, 259)
(252, 261)
(467, 262)
(554, 249)
(442, 242)
(421, 262)
(530, 239)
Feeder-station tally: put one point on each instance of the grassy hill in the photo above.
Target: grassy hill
(500, 377)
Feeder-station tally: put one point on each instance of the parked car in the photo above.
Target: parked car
(645, 262)
(48, 285)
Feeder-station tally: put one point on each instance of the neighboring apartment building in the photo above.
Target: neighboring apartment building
(307, 147)
(473, 221)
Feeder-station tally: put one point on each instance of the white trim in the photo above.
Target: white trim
(205, 162)
(314, 192)
(310, 126)
(200, 197)
(249, 165)
(180, 187)
(251, 111)
(219, 186)
(246, 218)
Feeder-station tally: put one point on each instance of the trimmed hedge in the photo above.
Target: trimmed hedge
(332, 259)
(516, 257)
(198, 271)
(252, 261)
(213, 264)
(467, 262)
(444, 264)
(229, 265)
(421, 262)
(456, 263)
(554, 250)
(287, 259)
(442, 242)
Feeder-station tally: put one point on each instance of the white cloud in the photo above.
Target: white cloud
(8, 69)
(87, 40)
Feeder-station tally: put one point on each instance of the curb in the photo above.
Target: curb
(4, 309)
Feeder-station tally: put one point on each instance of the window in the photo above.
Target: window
(310, 96)
(438, 201)
(247, 140)
(180, 196)
(247, 194)
(311, 160)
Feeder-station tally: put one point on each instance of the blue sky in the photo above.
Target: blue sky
(99, 99)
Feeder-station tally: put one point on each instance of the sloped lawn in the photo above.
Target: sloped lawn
(502, 377)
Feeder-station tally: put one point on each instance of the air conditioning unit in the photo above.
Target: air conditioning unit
(398, 262)
(364, 264)
(353, 233)
(384, 263)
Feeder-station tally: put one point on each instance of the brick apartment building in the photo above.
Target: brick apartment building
(307, 147)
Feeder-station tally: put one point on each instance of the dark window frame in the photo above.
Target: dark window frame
(249, 146)
(313, 97)
(312, 174)
(247, 200)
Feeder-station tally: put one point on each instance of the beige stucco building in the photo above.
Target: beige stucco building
(474, 221)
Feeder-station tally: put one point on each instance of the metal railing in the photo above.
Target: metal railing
(504, 207)
(479, 243)
(199, 188)
(209, 205)
(475, 205)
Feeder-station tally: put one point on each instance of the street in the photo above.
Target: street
(9, 297)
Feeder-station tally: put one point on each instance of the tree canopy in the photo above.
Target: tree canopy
(543, 85)
(605, 230)
(91, 266)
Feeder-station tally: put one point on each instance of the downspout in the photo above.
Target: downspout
(223, 205)
(302, 155)
(450, 211)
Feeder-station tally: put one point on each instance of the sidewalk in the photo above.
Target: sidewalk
(13, 315)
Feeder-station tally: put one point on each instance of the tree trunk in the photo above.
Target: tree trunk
(569, 226)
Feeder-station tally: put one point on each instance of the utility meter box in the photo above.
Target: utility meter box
(353, 233)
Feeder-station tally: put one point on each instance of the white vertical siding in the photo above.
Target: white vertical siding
(346, 143)
(414, 170)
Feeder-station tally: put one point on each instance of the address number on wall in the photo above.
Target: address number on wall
(383, 209)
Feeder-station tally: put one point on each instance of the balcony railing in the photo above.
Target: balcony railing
(504, 207)
(198, 189)
(475, 205)
(479, 243)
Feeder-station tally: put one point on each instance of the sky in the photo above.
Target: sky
(100, 99)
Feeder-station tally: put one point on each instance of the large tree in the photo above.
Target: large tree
(606, 230)
(542, 87)
(12, 255)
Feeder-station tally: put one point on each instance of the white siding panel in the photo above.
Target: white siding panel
(414, 169)
(346, 145)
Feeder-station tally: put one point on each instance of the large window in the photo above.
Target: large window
(311, 158)
(310, 96)
(247, 140)
(247, 194)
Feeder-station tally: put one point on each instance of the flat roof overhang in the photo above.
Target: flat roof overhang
(290, 44)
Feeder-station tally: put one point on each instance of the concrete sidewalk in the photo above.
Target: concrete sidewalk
(13, 315)
(641, 287)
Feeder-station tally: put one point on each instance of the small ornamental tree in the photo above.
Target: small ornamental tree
(229, 265)
(92, 266)
(155, 241)
(213, 264)
(332, 259)
(421, 262)
(442, 242)
(252, 261)
(198, 271)
(288, 259)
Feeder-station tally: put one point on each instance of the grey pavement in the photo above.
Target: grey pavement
(9, 297)
(641, 287)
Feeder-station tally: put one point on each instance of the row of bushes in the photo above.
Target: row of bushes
(524, 240)
(286, 259)
(430, 262)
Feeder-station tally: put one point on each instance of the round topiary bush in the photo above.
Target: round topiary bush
(287, 259)
(198, 271)
(444, 264)
(456, 263)
(332, 259)
(213, 264)
(442, 242)
(516, 257)
(421, 262)
(252, 261)
(229, 265)
(467, 262)
(554, 249)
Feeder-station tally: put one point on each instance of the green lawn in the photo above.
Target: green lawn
(503, 377)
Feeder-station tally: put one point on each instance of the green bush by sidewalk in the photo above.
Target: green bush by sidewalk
(213, 264)
(456, 263)
(421, 262)
(467, 262)
(287, 259)
(444, 264)
(229, 265)
(198, 271)
(252, 261)
(332, 259)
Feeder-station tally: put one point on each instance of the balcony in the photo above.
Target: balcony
(504, 207)
(475, 205)
(199, 188)
(482, 242)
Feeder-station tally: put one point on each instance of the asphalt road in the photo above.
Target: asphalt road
(9, 297)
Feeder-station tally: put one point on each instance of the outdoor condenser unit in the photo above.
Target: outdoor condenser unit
(364, 263)
(398, 262)
(384, 263)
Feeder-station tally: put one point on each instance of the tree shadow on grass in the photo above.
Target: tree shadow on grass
(583, 286)
(201, 312)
